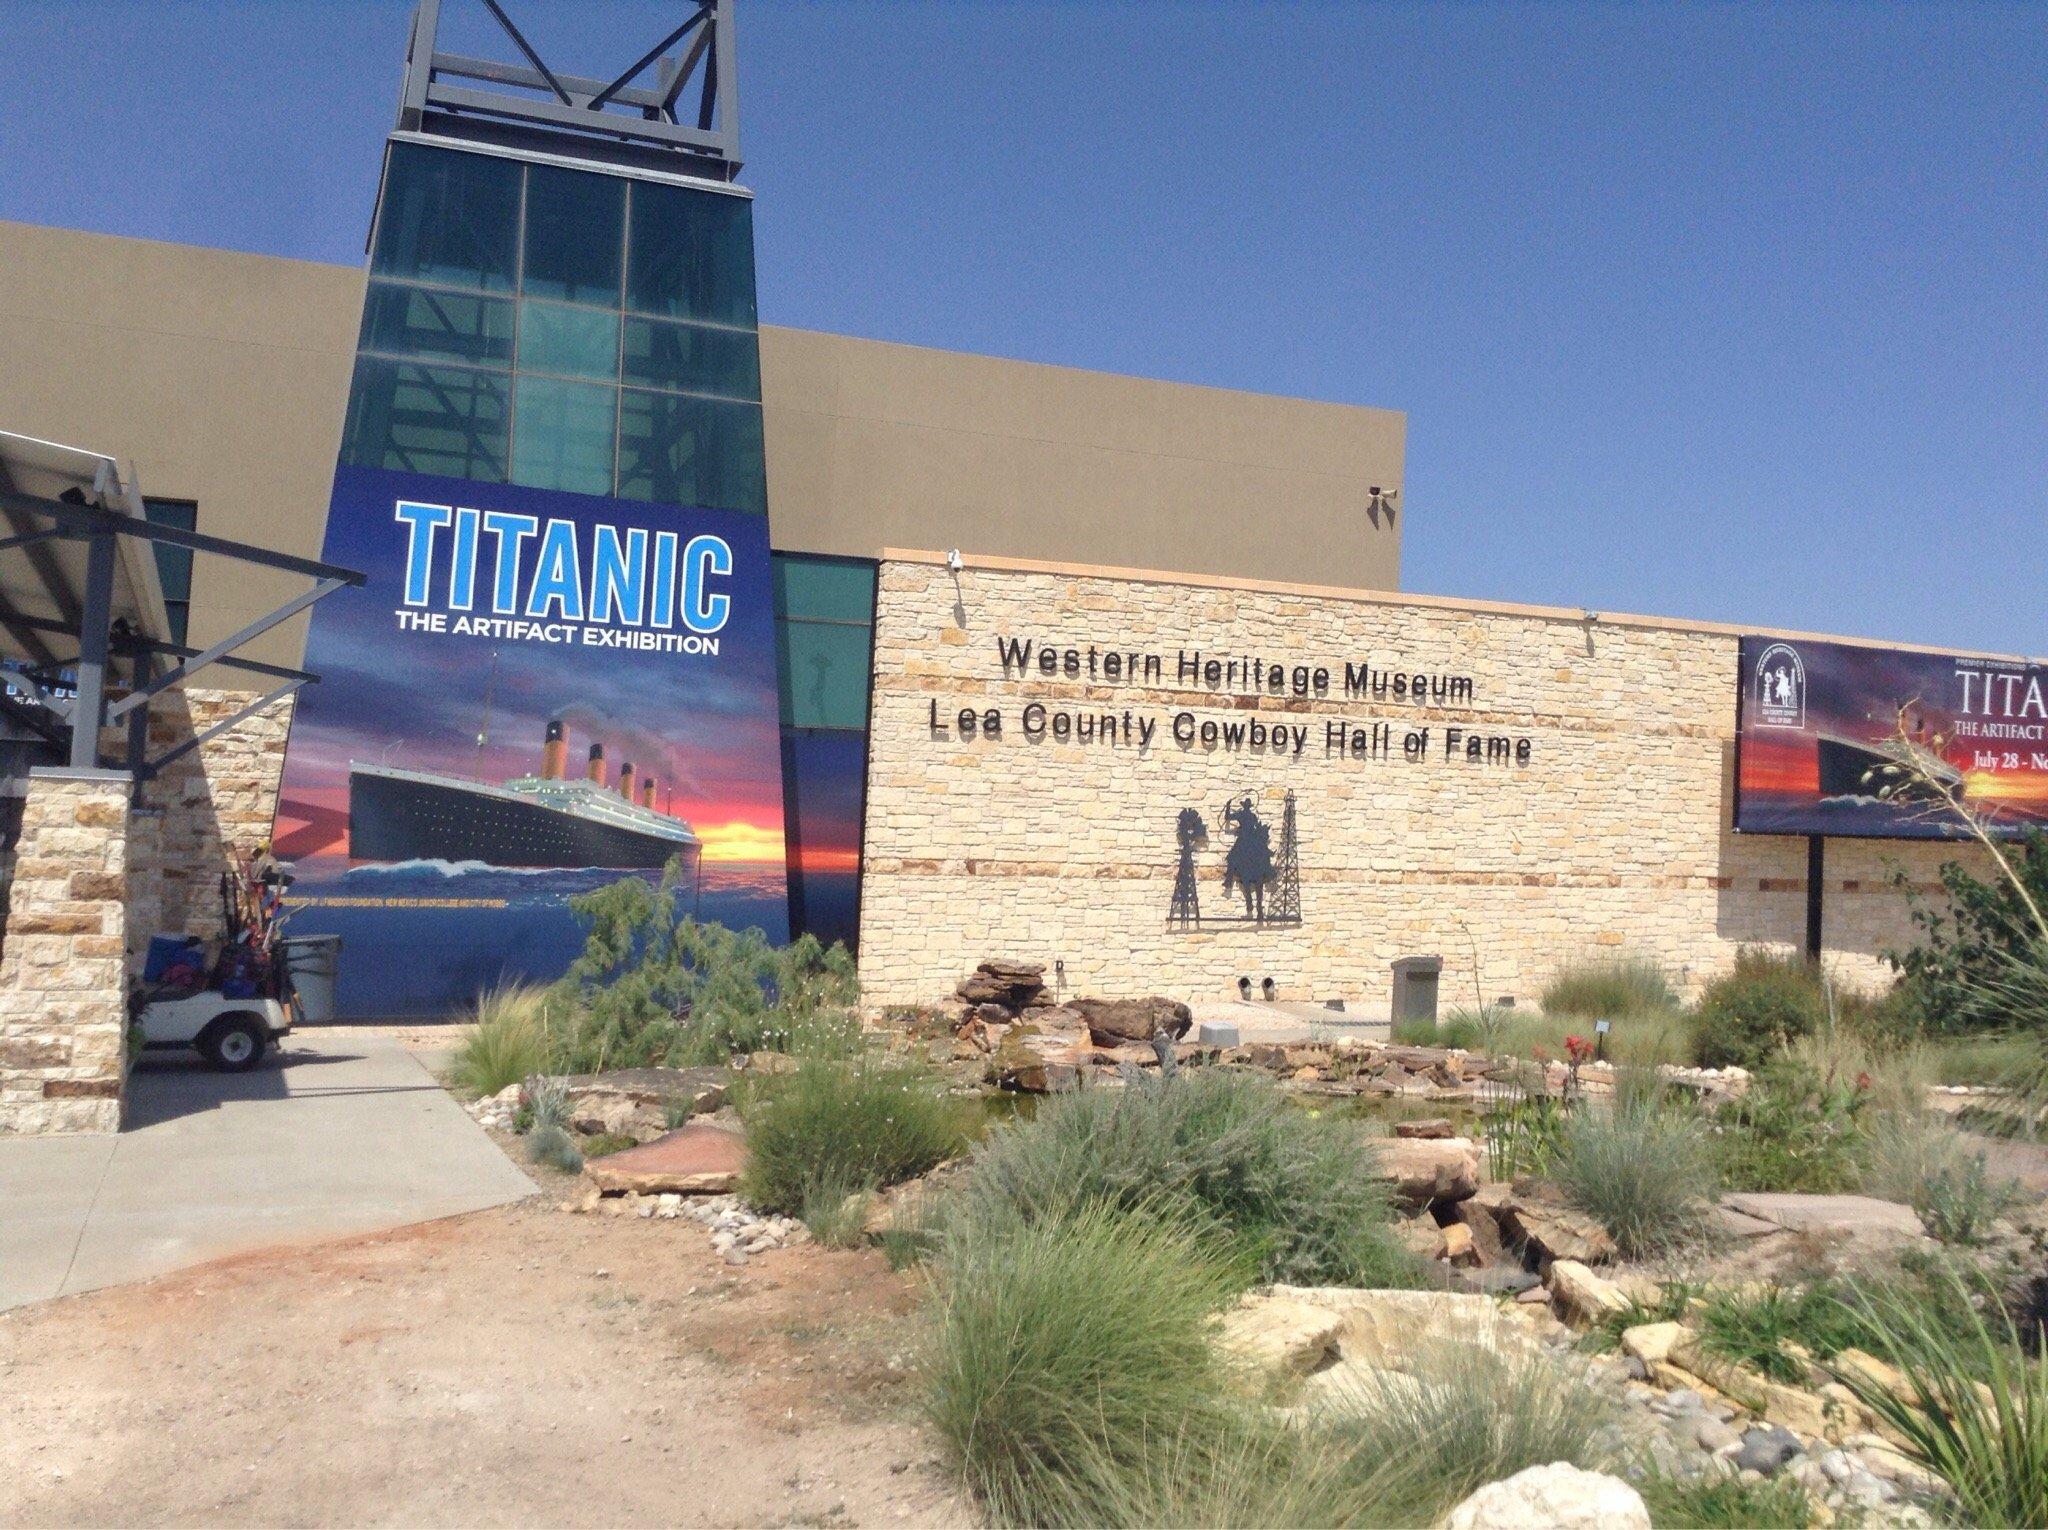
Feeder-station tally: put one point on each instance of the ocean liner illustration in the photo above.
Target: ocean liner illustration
(548, 820)
(1855, 767)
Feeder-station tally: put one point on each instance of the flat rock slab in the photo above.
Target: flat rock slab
(692, 1160)
(651, 1086)
(1861, 1217)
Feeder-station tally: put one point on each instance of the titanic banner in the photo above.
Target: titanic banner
(1820, 725)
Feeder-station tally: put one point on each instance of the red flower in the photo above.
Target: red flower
(1578, 1048)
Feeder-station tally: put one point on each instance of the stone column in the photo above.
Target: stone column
(64, 963)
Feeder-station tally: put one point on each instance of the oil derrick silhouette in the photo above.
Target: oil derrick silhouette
(1193, 835)
(1283, 901)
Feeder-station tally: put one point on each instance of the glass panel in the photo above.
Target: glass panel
(564, 435)
(824, 675)
(574, 224)
(579, 342)
(824, 591)
(693, 358)
(437, 326)
(448, 216)
(447, 420)
(679, 450)
(178, 614)
(693, 255)
(824, 778)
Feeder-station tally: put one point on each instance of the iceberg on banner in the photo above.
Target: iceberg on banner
(429, 807)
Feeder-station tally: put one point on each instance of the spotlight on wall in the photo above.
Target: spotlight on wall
(1244, 988)
(954, 561)
(1380, 501)
(1269, 988)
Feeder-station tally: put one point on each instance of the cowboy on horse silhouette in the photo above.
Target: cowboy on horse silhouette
(1249, 865)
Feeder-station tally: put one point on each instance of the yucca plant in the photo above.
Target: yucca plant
(1975, 1411)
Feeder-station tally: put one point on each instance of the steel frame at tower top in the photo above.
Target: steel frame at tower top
(532, 106)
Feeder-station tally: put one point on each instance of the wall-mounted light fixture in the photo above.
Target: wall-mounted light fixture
(1269, 988)
(954, 562)
(1244, 988)
(1380, 501)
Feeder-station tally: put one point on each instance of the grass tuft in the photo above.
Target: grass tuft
(1642, 1169)
(1609, 988)
(555, 1148)
(835, 1128)
(1715, 1501)
(509, 1043)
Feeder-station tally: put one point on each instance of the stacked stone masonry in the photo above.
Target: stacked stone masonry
(1611, 835)
(63, 968)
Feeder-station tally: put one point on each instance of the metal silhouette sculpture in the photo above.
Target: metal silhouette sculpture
(1268, 878)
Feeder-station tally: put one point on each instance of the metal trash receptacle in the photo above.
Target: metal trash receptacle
(313, 961)
(1415, 982)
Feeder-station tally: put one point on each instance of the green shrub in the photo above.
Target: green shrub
(1298, 1193)
(1067, 1350)
(1961, 960)
(555, 1148)
(1716, 1501)
(655, 987)
(846, 1126)
(1792, 1130)
(1609, 988)
(1934, 1170)
(509, 1043)
(1756, 1326)
(1643, 1169)
(1752, 1013)
(1978, 1413)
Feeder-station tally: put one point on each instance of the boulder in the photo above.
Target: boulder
(1652, 1343)
(1477, 1217)
(1421, 1236)
(1426, 1169)
(1017, 974)
(1859, 1221)
(1459, 1246)
(1037, 1057)
(1435, 1129)
(1557, 1232)
(1584, 1296)
(1111, 1021)
(636, 1102)
(1280, 1335)
(1390, 1329)
(1559, 1496)
(698, 1159)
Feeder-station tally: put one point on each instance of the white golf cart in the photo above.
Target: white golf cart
(231, 1034)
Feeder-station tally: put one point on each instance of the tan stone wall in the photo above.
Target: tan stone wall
(1611, 836)
(63, 972)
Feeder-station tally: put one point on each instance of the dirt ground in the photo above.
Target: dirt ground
(521, 1365)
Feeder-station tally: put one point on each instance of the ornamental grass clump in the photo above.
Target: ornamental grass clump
(1609, 988)
(844, 1127)
(1299, 1194)
(1643, 1169)
(509, 1042)
(1933, 1169)
(1975, 1409)
(1067, 1350)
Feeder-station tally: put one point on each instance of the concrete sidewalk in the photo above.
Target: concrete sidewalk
(335, 1134)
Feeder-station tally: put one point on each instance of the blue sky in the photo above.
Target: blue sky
(1737, 312)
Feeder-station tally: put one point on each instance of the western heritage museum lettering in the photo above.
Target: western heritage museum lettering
(1168, 783)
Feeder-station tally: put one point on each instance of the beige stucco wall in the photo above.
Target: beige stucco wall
(224, 378)
(873, 445)
(1612, 836)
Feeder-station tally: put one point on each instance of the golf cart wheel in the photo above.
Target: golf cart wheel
(234, 1043)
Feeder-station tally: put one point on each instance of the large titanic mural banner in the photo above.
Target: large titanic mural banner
(532, 695)
(1820, 723)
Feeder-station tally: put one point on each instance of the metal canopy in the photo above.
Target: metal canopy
(620, 121)
(80, 600)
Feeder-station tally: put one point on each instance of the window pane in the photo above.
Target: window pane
(693, 358)
(437, 326)
(447, 420)
(824, 777)
(833, 592)
(679, 450)
(574, 224)
(174, 564)
(693, 255)
(563, 437)
(580, 342)
(448, 216)
(824, 675)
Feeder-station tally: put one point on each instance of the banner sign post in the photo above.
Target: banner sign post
(534, 694)
(1816, 721)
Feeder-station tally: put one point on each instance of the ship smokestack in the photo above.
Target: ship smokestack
(647, 794)
(596, 770)
(554, 754)
(626, 779)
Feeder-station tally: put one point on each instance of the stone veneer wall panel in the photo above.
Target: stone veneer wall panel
(1612, 837)
(63, 967)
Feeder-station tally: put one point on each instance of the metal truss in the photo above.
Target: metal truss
(97, 644)
(537, 107)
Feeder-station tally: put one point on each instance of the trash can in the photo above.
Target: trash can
(312, 961)
(1415, 979)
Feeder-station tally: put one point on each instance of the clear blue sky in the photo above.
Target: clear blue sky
(1731, 311)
